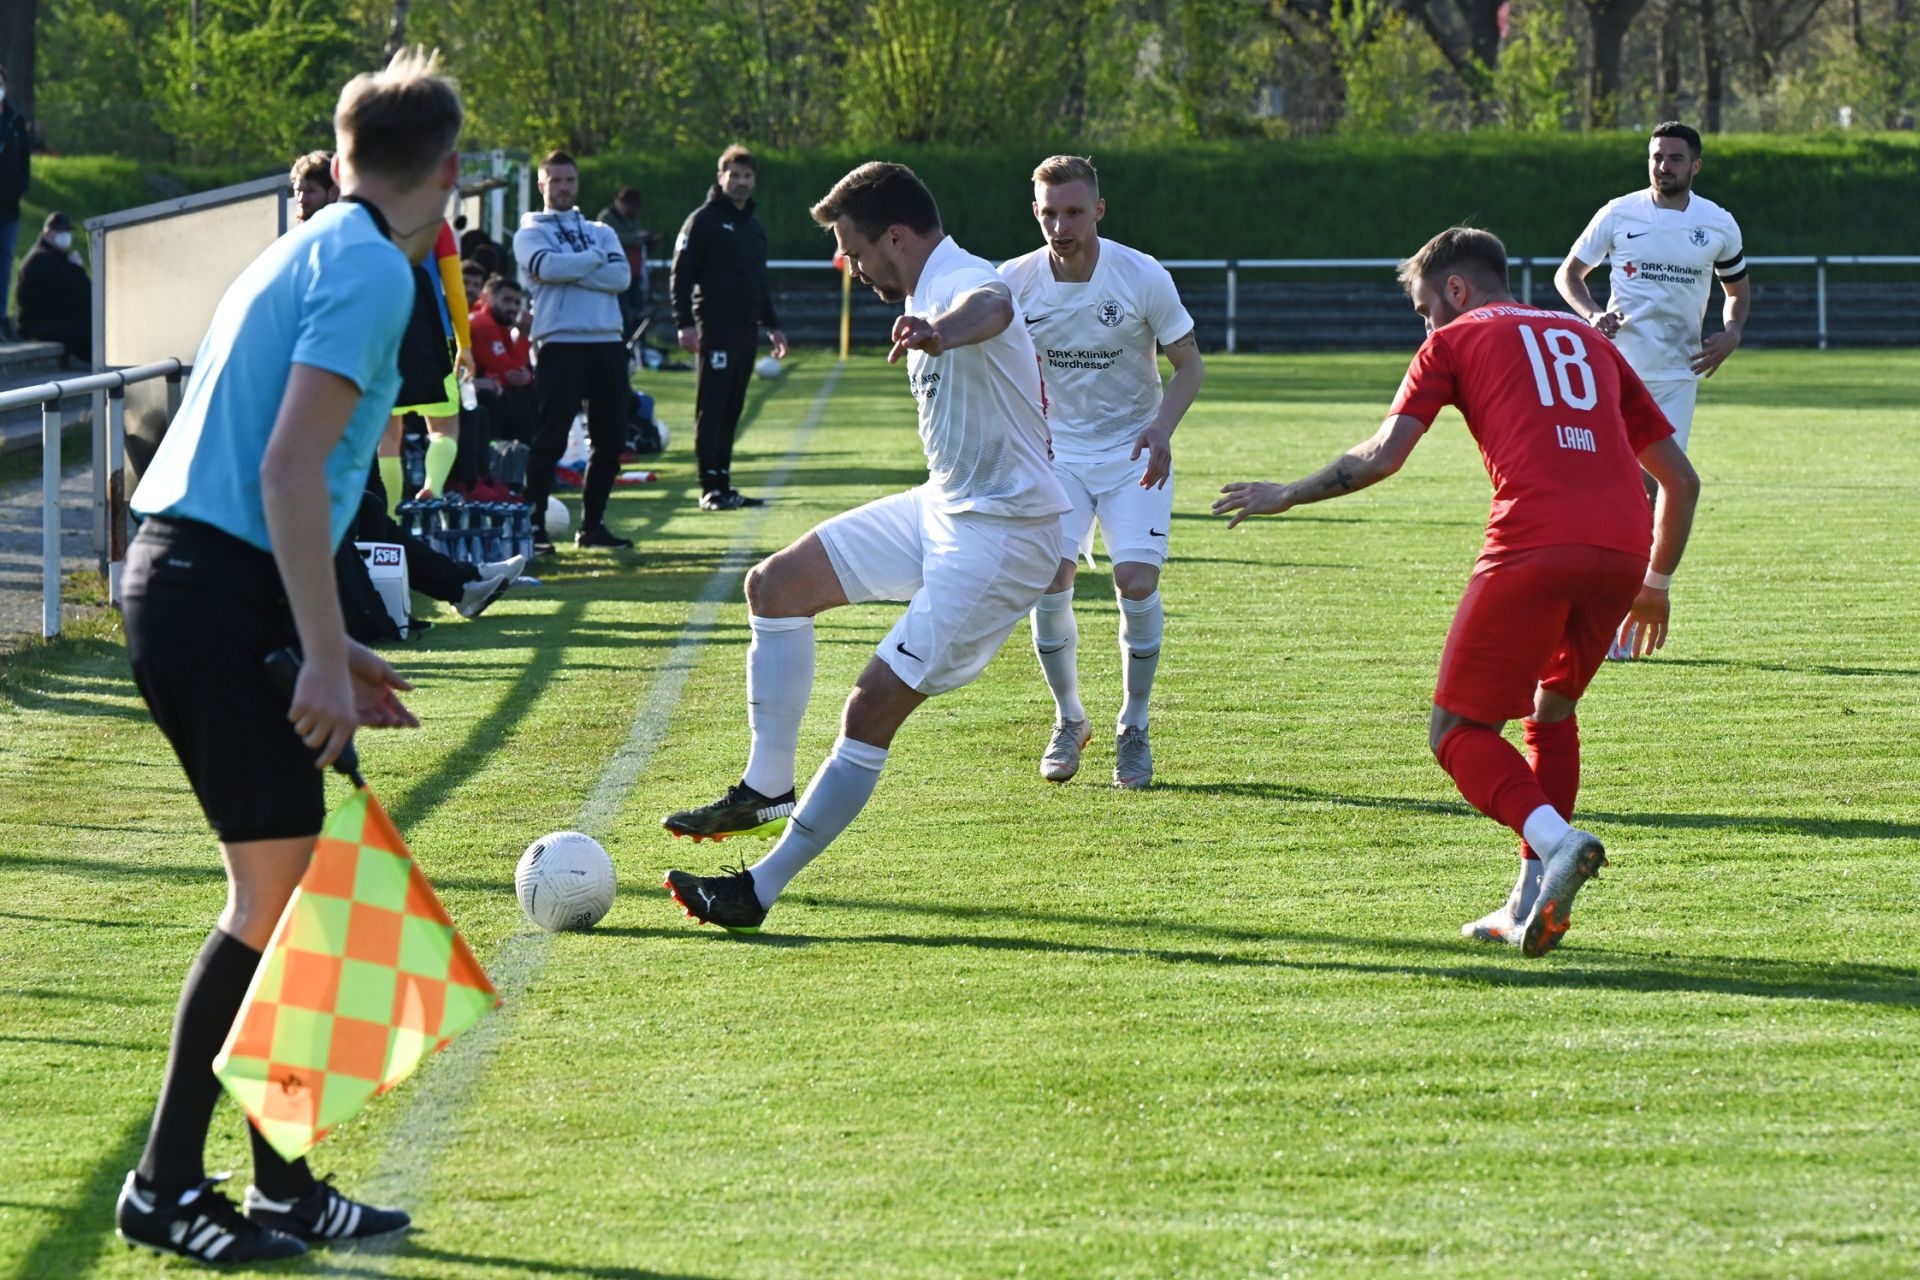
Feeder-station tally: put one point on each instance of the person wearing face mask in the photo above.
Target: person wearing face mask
(242, 508)
(16, 173)
(53, 292)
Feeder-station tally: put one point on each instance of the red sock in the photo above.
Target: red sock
(1553, 753)
(1491, 774)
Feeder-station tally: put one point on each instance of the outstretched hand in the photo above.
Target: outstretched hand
(1252, 498)
(1157, 443)
(1645, 628)
(375, 688)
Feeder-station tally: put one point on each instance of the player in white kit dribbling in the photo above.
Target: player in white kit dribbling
(1096, 311)
(1668, 243)
(970, 550)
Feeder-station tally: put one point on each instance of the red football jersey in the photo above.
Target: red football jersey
(1560, 419)
(497, 350)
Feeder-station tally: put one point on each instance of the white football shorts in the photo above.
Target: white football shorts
(1134, 522)
(968, 579)
(1675, 396)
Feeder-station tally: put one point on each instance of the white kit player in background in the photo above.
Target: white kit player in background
(970, 550)
(1096, 311)
(1667, 244)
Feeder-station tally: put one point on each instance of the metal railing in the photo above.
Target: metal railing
(1527, 268)
(109, 460)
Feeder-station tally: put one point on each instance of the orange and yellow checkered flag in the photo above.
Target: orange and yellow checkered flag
(365, 976)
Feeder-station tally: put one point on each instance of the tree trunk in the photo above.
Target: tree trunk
(1668, 87)
(17, 52)
(1608, 21)
(1710, 86)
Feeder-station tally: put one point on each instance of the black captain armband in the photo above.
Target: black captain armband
(1734, 268)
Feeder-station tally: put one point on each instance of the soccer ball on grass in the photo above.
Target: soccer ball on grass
(564, 881)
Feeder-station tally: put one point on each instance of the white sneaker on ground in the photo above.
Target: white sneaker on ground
(1061, 760)
(1568, 865)
(492, 583)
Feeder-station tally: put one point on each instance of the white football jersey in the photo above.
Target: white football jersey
(1664, 261)
(980, 417)
(1096, 342)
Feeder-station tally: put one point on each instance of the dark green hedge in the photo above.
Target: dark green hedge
(1344, 197)
(1329, 197)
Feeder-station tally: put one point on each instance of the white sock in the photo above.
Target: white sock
(1141, 624)
(837, 793)
(1056, 642)
(1544, 828)
(779, 685)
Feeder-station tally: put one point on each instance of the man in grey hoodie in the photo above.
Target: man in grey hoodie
(577, 270)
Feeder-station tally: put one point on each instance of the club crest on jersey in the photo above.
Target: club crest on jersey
(1109, 313)
(1698, 235)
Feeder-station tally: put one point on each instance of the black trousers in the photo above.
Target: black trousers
(720, 392)
(567, 373)
(512, 413)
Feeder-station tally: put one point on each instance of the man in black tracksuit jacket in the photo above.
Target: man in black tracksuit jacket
(720, 299)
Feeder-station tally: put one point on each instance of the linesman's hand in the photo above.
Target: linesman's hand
(914, 333)
(375, 686)
(690, 340)
(1252, 498)
(779, 341)
(323, 712)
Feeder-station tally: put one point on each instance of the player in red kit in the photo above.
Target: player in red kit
(1564, 427)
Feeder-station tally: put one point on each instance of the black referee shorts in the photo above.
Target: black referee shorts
(203, 610)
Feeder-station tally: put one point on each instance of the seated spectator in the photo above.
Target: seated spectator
(474, 276)
(54, 294)
(477, 246)
(312, 185)
(503, 360)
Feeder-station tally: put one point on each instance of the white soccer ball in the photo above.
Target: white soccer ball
(767, 367)
(558, 518)
(564, 881)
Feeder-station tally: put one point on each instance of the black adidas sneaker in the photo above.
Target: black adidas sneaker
(202, 1225)
(323, 1214)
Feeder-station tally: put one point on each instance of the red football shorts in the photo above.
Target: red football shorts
(1539, 617)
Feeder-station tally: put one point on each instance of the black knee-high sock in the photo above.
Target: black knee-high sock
(174, 1158)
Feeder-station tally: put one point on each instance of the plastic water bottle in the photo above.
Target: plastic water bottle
(469, 398)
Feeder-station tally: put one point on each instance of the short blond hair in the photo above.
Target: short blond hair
(1057, 171)
(400, 122)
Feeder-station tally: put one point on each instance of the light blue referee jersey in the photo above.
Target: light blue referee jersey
(335, 294)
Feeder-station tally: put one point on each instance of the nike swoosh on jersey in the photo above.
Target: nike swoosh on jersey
(910, 653)
(1635, 235)
(1155, 533)
(1036, 319)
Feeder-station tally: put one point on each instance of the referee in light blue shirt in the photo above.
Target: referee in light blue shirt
(251, 491)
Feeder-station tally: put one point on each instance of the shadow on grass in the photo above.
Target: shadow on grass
(82, 1227)
(1759, 823)
(82, 1042)
(1451, 960)
(66, 921)
(338, 1262)
(1810, 668)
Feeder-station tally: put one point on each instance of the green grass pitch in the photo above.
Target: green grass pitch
(1222, 1028)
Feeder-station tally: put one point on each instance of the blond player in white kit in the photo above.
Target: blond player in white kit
(970, 550)
(1097, 311)
(1667, 244)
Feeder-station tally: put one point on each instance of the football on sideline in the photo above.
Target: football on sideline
(564, 881)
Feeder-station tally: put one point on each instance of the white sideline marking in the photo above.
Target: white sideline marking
(430, 1121)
